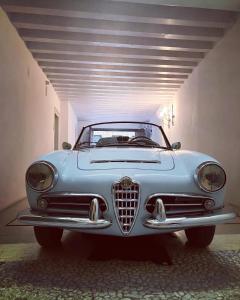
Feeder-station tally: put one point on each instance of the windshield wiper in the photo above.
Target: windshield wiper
(88, 145)
(110, 145)
(131, 145)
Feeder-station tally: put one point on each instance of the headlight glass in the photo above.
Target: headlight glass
(41, 176)
(210, 176)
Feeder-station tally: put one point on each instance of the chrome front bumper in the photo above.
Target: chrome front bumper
(170, 224)
(35, 219)
(186, 222)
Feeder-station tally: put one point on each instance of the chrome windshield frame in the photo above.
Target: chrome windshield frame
(168, 145)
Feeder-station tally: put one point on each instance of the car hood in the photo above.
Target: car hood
(125, 158)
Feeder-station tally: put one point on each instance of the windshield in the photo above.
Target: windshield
(123, 134)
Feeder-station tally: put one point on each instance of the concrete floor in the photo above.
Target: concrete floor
(92, 267)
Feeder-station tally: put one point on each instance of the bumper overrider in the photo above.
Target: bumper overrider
(157, 221)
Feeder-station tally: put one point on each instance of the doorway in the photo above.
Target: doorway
(56, 131)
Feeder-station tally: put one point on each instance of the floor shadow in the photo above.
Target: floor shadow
(135, 249)
(106, 248)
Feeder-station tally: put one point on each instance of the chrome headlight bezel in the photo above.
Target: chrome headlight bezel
(200, 168)
(53, 171)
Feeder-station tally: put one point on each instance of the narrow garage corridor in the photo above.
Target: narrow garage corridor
(67, 64)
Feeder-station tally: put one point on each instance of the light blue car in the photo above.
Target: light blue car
(125, 179)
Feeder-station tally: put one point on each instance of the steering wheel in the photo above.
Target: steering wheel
(141, 138)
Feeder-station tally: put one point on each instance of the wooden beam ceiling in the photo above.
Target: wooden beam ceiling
(92, 50)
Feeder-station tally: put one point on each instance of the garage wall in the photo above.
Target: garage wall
(207, 109)
(27, 108)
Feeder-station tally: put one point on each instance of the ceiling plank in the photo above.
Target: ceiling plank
(62, 86)
(41, 47)
(114, 83)
(112, 94)
(156, 69)
(78, 38)
(111, 60)
(105, 73)
(114, 79)
(68, 24)
(113, 89)
(122, 11)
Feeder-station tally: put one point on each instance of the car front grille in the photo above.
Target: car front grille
(126, 201)
(72, 204)
(178, 205)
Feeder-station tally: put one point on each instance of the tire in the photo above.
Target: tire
(48, 237)
(200, 237)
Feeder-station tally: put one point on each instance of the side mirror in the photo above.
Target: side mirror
(66, 146)
(176, 146)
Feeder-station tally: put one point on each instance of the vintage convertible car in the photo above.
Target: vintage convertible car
(125, 179)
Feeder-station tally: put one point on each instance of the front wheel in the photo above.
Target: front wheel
(48, 237)
(200, 236)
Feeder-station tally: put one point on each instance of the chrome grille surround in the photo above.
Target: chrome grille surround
(178, 205)
(126, 203)
(71, 203)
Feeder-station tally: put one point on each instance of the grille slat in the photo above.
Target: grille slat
(183, 211)
(122, 191)
(126, 205)
(183, 204)
(129, 208)
(69, 204)
(79, 213)
(124, 200)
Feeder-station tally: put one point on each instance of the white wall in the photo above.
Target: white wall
(208, 109)
(26, 113)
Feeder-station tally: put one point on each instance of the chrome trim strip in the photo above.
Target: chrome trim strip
(69, 194)
(198, 169)
(126, 161)
(183, 204)
(178, 195)
(35, 219)
(175, 195)
(185, 222)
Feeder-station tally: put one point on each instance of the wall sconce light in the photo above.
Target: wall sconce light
(167, 115)
(169, 122)
(173, 117)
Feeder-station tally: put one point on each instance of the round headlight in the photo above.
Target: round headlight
(41, 176)
(210, 177)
